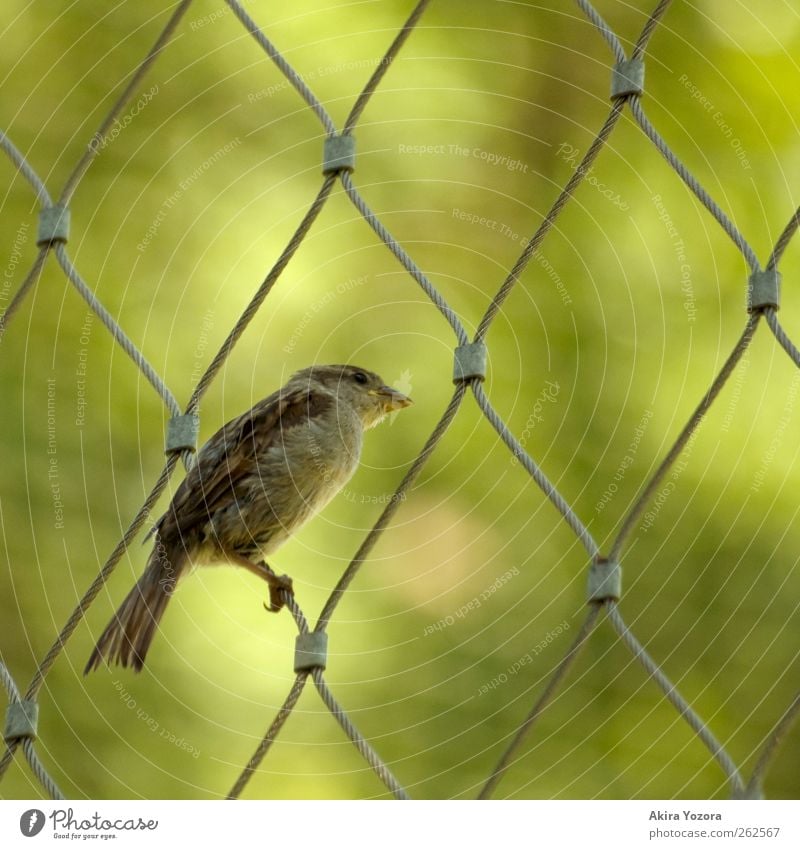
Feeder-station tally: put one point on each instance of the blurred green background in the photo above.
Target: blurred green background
(596, 361)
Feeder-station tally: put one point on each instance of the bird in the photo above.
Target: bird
(256, 481)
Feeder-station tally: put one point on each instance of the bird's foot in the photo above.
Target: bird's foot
(280, 587)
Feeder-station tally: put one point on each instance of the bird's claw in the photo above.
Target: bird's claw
(278, 585)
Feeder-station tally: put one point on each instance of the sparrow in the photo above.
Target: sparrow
(255, 483)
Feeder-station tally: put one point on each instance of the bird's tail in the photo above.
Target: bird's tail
(128, 635)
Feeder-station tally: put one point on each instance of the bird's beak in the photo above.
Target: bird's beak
(392, 399)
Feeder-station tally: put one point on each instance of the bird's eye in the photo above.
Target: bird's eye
(360, 377)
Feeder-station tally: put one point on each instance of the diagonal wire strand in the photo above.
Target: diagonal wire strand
(93, 148)
(604, 29)
(120, 337)
(368, 753)
(700, 193)
(391, 508)
(558, 500)
(541, 703)
(269, 738)
(24, 168)
(565, 195)
(649, 28)
(783, 240)
(378, 74)
(263, 290)
(31, 278)
(770, 749)
(410, 266)
(676, 699)
(680, 443)
(286, 69)
(781, 335)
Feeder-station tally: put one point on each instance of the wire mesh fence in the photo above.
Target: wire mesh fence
(471, 353)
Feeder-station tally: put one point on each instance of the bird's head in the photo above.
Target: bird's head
(363, 390)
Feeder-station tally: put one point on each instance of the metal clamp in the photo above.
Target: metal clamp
(469, 362)
(310, 651)
(605, 581)
(53, 225)
(182, 433)
(764, 290)
(339, 154)
(22, 720)
(627, 78)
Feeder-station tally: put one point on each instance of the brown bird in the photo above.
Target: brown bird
(255, 482)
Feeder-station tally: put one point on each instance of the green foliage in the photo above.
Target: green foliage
(611, 337)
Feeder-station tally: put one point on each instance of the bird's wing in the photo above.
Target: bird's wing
(230, 455)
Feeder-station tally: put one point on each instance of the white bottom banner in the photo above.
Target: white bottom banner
(175, 825)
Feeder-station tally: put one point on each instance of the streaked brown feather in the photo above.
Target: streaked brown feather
(230, 455)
